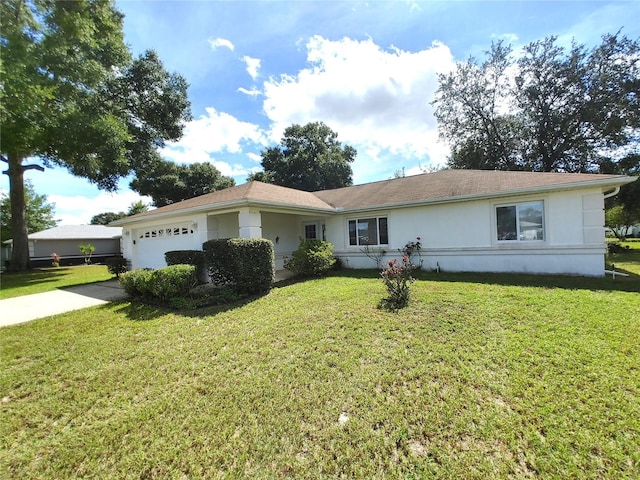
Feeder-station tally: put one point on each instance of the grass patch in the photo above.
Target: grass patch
(481, 376)
(15, 284)
(627, 261)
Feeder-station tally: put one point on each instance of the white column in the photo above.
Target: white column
(250, 223)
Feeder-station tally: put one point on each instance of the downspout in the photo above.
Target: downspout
(614, 192)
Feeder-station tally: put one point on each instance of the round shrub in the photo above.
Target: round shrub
(312, 258)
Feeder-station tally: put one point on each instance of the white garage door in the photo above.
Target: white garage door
(151, 244)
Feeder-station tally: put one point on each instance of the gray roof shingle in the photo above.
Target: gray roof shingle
(85, 232)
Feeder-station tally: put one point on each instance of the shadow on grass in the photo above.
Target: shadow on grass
(621, 284)
(32, 277)
(141, 311)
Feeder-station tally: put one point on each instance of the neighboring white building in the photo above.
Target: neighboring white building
(467, 220)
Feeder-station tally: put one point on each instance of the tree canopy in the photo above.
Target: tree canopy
(551, 109)
(73, 96)
(167, 182)
(309, 158)
(40, 212)
(106, 218)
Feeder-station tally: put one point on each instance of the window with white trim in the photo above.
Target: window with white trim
(368, 231)
(521, 222)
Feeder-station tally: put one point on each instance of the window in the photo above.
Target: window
(310, 231)
(167, 232)
(520, 222)
(368, 231)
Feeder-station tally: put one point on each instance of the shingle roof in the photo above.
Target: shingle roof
(256, 192)
(455, 184)
(85, 232)
(445, 185)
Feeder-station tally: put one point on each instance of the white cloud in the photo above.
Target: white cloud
(253, 65)
(254, 157)
(221, 42)
(215, 133)
(377, 100)
(254, 92)
(79, 209)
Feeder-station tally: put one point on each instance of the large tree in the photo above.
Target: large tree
(310, 158)
(72, 96)
(550, 109)
(167, 182)
(106, 218)
(40, 212)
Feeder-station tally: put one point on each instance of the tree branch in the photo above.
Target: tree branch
(32, 167)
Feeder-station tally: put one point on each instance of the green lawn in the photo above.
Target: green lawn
(628, 261)
(15, 284)
(482, 376)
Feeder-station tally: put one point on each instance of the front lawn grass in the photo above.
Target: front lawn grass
(482, 376)
(39, 280)
(627, 261)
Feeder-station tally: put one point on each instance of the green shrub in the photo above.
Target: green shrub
(615, 247)
(116, 265)
(246, 264)
(137, 283)
(188, 257)
(160, 285)
(173, 281)
(312, 258)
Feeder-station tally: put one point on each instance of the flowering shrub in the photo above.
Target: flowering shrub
(56, 260)
(397, 279)
(412, 248)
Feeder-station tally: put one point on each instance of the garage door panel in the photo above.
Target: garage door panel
(152, 243)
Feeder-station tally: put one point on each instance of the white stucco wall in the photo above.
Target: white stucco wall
(462, 236)
(454, 236)
(148, 251)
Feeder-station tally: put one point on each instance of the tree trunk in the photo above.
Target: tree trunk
(20, 260)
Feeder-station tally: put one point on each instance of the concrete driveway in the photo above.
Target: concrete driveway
(30, 307)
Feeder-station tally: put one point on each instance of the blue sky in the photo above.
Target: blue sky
(367, 69)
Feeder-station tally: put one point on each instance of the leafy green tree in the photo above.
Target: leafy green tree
(136, 208)
(309, 158)
(623, 210)
(87, 250)
(168, 182)
(548, 110)
(106, 218)
(72, 96)
(40, 214)
(620, 220)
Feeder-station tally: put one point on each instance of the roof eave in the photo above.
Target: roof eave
(213, 207)
(604, 184)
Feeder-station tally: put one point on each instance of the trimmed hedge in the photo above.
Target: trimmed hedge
(312, 258)
(160, 285)
(246, 264)
(188, 257)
